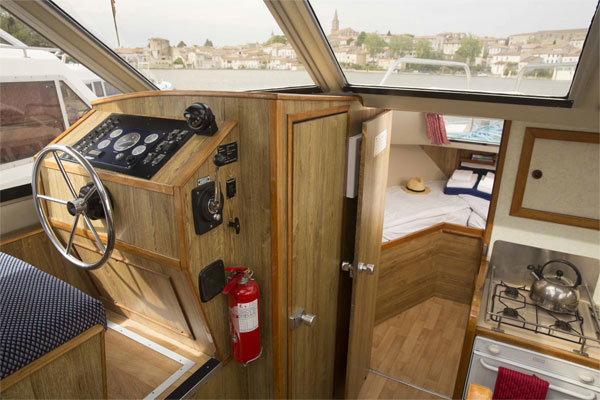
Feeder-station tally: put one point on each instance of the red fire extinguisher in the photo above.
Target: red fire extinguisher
(243, 294)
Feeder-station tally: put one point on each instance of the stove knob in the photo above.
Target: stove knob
(586, 378)
(494, 349)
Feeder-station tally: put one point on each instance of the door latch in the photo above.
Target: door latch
(300, 317)
(348, 267)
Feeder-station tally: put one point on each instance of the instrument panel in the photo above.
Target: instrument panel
(133, 145)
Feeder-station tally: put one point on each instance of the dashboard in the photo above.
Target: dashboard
(133, 145)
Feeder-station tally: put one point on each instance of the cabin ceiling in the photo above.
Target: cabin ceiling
(300, 25)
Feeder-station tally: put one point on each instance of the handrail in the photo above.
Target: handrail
(409, 60)
(550, 387)
(25, 48)
(535, 66)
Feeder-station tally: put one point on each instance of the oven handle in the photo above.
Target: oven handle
(550, 387)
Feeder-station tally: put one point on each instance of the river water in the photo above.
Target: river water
(240, 80)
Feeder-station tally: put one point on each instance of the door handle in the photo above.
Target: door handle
(369, 268)
(300, 317)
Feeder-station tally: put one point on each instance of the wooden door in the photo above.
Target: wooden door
(369, 227)
(315, 216)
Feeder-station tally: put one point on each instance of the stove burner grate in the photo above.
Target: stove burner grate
(507, 302)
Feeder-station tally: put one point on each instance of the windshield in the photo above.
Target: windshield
(187, 44)
(518, 47)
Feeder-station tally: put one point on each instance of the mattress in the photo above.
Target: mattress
(38, 313)
(408, 213)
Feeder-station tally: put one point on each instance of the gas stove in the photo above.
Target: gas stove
(509, 309)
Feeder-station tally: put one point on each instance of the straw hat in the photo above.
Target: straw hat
(415, 186)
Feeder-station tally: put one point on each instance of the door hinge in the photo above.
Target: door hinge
(348, 267)
(484, 249)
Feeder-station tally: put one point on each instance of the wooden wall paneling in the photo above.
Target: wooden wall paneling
(316, 156)
(150, 293)
(456, 262)
(253, 182)
(228, 383)
(209, 247)
(144, 288)
(153, 229)
(572, 179)
(278, 249)
(406, 276)
(444, 157)
(441, 261)
(496, 190)
(74, 370)
(37, 250)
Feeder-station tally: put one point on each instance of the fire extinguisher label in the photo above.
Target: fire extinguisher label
(248, 316)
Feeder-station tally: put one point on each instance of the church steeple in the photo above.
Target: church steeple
(335, 24)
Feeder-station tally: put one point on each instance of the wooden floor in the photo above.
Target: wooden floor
(134, 370)
(380, 387)
(421, 346)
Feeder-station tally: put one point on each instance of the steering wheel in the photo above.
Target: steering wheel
(78, 207)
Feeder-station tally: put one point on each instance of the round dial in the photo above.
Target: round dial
(103, 144)
(138, 150)
(116, 133)
(127, 141)
(151, 138)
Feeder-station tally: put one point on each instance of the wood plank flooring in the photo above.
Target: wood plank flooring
(421, 346)
(380, 387)
(134, 370)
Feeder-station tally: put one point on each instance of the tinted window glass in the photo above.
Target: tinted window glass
(186, 44)
(30, 118)
(518, 47)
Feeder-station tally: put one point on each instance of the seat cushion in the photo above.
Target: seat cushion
(38, 313)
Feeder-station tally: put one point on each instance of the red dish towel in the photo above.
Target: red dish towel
(512, 385)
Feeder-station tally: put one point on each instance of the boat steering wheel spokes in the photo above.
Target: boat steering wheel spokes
(92, 202)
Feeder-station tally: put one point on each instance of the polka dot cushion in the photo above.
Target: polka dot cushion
(38, 313)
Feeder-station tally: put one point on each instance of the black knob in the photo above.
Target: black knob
(130, 159)
(235, 224)
(219, 160)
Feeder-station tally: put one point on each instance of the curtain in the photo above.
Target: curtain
(436, 130)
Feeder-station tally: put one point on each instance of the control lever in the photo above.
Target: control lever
(214, 204)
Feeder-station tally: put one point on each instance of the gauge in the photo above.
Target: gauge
(138, 150)
(103, 144)
(116, 133)
(151, 138)
(127, 141)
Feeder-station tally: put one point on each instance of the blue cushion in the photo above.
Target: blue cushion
(38, 313)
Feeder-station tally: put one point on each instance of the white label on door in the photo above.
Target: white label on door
(380, 142)
(248, 316)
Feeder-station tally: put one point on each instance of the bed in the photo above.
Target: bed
(408, 213)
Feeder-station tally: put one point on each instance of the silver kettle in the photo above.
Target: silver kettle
(555, 293)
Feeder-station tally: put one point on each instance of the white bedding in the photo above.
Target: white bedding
(407, 213)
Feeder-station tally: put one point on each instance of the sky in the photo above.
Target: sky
(232, 22)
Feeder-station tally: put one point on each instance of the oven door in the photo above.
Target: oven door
(567, 380)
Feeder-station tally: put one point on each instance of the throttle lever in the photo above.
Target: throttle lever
(215, 203)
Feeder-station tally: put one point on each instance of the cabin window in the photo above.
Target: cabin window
(473, 130)
(30, 118)
(224, 45)
(74, 106)
(98, 89)
(520, 48)
(42, 93)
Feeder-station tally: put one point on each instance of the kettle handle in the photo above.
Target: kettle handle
(574, 268)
